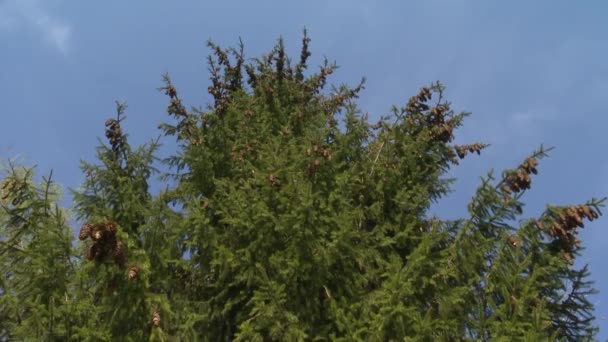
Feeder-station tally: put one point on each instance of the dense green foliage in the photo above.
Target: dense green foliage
(286, 215)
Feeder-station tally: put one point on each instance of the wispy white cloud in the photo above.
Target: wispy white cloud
(30, 14)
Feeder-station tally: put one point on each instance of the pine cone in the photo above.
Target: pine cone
(118, 253)
(171, 91)
(111, 227)
(133, 272)
(93, 252)
(156, 318)
(111, 122)
(273, 180)
(103, 231)
(97, 233)
(85, 231)
(515, 240)
(540, 225)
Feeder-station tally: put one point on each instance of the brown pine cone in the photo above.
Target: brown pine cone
(93, 252)
(156, 318)
(133, 272)
(118, 253)
(97, 232)
(111, 227)
(85, 232)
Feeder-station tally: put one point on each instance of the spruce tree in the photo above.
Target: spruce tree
(287, 215)
(35, 258)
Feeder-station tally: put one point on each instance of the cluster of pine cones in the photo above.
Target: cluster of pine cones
(434, 119)
(114, 134)
(565, 227)
(177, 108)
(462, 150)
(520, 179)
(417, 104)
(319, 153)
(104, 242)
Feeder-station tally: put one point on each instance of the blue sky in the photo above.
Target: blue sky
(531, 73)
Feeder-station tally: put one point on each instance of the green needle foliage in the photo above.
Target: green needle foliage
(286, 215)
